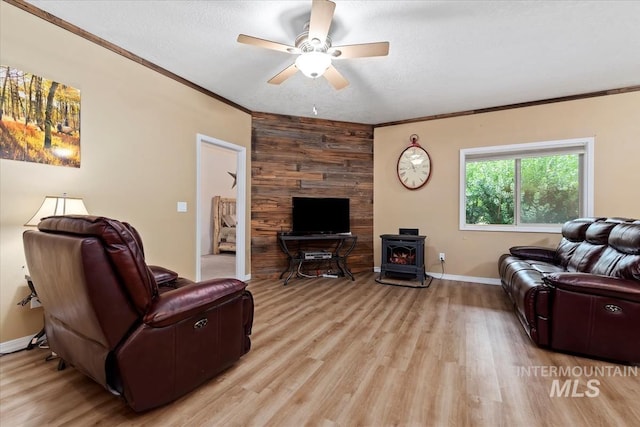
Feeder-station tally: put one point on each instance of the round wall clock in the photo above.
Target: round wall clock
(414, 165)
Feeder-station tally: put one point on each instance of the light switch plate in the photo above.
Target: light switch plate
(182, 206)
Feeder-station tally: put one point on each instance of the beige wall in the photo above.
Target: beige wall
(138, 153)
(612, 120)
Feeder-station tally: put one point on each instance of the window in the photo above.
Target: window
(532, 187)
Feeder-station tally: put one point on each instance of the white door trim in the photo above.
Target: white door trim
(241, 184)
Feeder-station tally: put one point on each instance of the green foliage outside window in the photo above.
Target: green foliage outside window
(490, 192)
(549, 190)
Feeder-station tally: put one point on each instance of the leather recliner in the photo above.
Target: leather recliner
(140, 331)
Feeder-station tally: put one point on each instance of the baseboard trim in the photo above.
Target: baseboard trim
(15, 345)
(472, 279)
(459, 278)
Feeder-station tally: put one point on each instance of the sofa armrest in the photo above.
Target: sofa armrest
(182, 303)
(536, 253)
(594, 284)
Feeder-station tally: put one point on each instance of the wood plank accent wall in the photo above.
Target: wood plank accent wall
(297, 156)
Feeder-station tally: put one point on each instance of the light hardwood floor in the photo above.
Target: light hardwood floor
(331, 352)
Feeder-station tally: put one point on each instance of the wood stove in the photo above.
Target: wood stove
(402, 257)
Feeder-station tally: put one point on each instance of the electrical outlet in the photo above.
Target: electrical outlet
(441, 257)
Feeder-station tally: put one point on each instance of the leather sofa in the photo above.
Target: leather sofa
(582, 297)
(140, 331)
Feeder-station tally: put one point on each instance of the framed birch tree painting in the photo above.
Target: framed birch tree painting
(39, 119)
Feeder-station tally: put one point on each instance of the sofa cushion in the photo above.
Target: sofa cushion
(588, 252)
(584, 257)
(575, 230)
(598, 232)
(573, 233)
(622, 257)
(626, 238)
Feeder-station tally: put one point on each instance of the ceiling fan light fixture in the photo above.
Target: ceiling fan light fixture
(313, 64)
(314, 49)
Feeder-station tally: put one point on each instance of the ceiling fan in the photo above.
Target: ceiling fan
(314, 49)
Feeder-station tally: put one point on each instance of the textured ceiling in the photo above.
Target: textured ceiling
(445, 56)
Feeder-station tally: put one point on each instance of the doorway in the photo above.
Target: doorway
(221, 171)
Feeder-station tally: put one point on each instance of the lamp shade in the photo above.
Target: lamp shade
(58, 205)
(313, 64)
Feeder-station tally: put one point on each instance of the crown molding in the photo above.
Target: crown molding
(29, 8)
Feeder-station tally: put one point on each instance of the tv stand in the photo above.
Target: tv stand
(299, 247)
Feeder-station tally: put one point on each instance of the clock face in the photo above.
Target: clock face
(414, 167)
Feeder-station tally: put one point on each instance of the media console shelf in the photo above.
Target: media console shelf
(330, 248)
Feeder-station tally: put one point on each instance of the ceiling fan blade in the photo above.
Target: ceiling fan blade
(284, 74)
(335, 78)
(254, 41)
(361, 50)
(320, 20)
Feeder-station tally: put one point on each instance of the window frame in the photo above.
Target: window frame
(582, 146)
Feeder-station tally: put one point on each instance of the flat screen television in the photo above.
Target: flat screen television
(320, 215)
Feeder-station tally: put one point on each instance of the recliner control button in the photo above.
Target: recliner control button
(200, 323)
(613, 308)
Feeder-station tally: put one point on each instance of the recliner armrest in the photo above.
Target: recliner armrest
(163, 276)
(594, 284)
(182, 303)
(536, 253)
